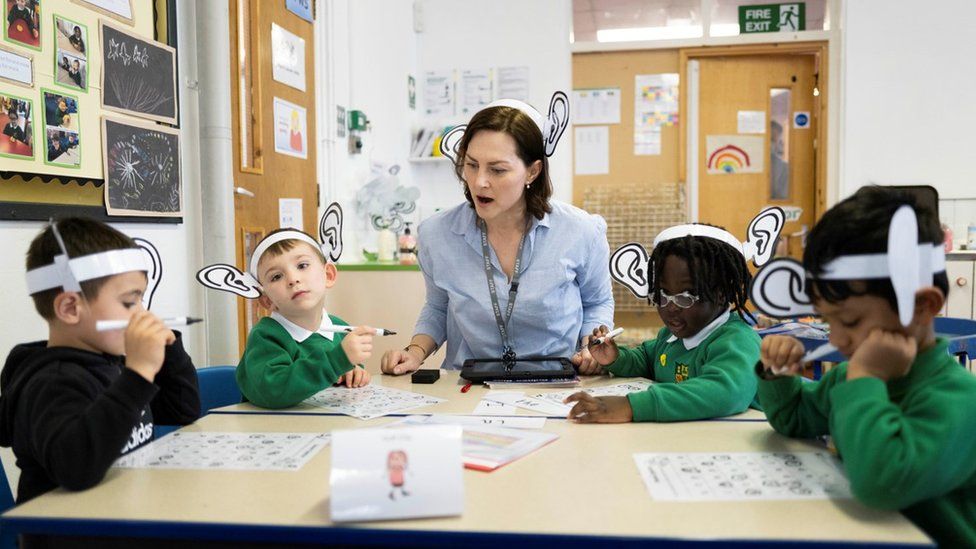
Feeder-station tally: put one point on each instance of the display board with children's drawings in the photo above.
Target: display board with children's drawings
(729, 476)
(236, 451)
(369, 402)
(619, 389)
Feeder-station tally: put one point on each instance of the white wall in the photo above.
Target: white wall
(909, 113)
(178, 293)
(374, 47)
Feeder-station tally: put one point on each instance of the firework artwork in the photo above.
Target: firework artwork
(138, 75)
(142, 169)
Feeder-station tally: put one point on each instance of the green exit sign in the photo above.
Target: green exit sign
(772, 18)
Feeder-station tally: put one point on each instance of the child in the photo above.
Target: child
(901, 411)
(71, 405)
(704, 356)
(291, 355)
(13, 129)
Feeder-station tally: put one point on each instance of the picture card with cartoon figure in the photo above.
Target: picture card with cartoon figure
(406, 472)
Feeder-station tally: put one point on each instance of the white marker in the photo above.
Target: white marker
(106, 325)
(610, 335)
(349, 329)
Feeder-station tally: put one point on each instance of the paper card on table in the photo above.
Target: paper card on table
(529, 403)
(370, 401)
(556, 398)
(727, 476)
(405, 472)
(237, 451)
(490, 407)
(513, 422)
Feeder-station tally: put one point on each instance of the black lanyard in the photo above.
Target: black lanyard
(508, 354)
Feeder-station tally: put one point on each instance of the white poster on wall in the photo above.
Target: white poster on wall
(592, 150)
(439, 94)
(733, 154)
(290, 213)
(290, 129)
(287, 57)
(513, 83)
(751, 121)
(16, 68)
(596, 106)
(476, 90)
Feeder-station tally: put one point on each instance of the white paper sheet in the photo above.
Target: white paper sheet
(596, 106)
(287, 57)
(513, 83)
(751, 121)
(16, 67)
(492, 407)
(476, 90)
(592, 150)
(370, 401)
(529, 403)
(708, 476)
(555, 398)
(290, 213)
(236, 451)
(439, 93)
(513, 422)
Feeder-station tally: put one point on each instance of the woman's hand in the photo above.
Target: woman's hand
(400, 362)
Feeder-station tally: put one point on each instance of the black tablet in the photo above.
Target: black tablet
(530, 368)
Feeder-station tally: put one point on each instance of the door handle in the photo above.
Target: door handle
(243, 191)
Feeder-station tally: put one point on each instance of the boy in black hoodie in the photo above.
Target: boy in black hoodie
(71, 405)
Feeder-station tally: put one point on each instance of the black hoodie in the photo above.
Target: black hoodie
(69, 414)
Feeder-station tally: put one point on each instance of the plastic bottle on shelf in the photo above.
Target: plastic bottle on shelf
(408, 247)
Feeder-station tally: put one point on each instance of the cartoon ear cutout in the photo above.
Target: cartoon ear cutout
(330, 231)
(904, 258)
(557, 121)
(227, 278)
(762, 234)
(155, 272)
(779, 289)
(629, 265)
(451, 140)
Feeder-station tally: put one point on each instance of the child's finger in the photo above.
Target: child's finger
(577, 397)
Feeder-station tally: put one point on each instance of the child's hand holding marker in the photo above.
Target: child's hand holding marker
(358, 344)
(782, 355)
(602, 348)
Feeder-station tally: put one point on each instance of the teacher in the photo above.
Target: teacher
(508, 272)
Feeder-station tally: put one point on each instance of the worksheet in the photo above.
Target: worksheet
(237, 451)
(370, 401)
(555, 399)
(513, 422)
(726, 476)
(489, 406)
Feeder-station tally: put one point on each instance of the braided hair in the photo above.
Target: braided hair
(718, 271)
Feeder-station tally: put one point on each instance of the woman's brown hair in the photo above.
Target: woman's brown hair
(529, 147)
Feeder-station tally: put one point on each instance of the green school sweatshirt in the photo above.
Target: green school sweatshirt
(715, 378)
(909, 444)
(277, 372)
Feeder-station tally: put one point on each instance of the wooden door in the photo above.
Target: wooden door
(269, 171)
(768, 92)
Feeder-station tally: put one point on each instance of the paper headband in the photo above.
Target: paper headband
(70, 273)
(552, 127)
(630, 264)
(779, 289)
(228, 278)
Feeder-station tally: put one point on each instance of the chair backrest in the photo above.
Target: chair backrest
(6, 494)
(218, 387)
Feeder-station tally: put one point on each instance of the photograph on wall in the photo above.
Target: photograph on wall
(142, 169)
(290, 129)
(22, 23)
(62, 128)
(116, 9)
(17, 120)
(70, 53)
(16, 67)
(138, 75)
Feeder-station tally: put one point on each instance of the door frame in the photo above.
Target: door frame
(820, 52)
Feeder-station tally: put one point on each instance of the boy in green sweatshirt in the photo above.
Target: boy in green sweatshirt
(295, 352)
(703, 359)
(901, 411)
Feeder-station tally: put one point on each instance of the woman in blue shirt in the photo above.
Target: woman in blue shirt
(509, 271)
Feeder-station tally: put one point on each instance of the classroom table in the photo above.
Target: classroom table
(14, 147)
(449, 387)
(583, 489)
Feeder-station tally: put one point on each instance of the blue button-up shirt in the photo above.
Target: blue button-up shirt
(563, 294)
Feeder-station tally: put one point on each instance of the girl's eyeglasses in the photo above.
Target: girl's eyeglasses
(683, 300)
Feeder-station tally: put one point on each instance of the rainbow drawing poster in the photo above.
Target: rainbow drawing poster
(732, 154)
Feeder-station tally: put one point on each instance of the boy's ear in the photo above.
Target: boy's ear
(67, 307)
(266, 302)
(331, 273)
(928, 304)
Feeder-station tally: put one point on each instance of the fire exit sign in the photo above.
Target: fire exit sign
(772, 18)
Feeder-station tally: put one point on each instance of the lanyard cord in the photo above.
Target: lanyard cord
(508, 354)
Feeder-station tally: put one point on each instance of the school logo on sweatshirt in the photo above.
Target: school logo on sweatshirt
(680, 372)
(664, 360)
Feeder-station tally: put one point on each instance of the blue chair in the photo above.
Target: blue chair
(6, 502)
(218, 387)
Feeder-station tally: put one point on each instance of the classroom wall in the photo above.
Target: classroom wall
(178, 245)
(455, 34)
(909, 114)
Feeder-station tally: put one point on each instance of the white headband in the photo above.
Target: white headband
(276, 238)
(69, 274)
(529, 110)
(681, 231)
